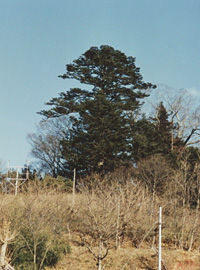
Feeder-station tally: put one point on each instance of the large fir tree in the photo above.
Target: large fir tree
(100, 136)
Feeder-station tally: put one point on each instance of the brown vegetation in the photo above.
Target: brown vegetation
(113, 219)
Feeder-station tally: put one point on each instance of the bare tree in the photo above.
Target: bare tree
(39, 235)
(182, 203)
(2, 177)
(97, 228)
(155, 174)
(9, 219)
(46, 144)
(102, 216)
(196, 214)
(183, 109)
(109, 209)
(6, 236)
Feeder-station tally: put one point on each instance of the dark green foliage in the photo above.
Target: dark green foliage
(145, 139)
(168, 145)
(58, 184)
(47, 254)
(106, 70)
(164, 128)
(155, 136)
(100, 137)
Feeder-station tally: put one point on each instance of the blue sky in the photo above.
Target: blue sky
(38, 38)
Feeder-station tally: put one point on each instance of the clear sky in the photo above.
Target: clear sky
(38, 38)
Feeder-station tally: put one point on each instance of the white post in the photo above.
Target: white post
(74, 186)
(159, 248)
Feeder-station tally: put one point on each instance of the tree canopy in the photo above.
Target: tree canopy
(113, 89)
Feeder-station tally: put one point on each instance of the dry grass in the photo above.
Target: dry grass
(93, 211)
(129, 258)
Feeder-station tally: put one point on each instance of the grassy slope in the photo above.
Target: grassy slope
(129, 258)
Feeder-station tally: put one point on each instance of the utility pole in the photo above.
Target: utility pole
(160, 235)
(17, 179)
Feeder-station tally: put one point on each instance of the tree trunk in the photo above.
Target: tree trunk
(35, 256)
(3, 254)
(99, 263)
(181, 241)
(153, 198)
(196, 213)
(117, 242)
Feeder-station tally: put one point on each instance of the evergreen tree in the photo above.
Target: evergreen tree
(145, 139)
(165, 129)
(100, 136)
(155, 136)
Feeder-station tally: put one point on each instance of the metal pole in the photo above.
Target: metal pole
(74, 186)
(159, 248)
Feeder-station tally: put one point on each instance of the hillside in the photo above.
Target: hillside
(109, 225)
(129, 258)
